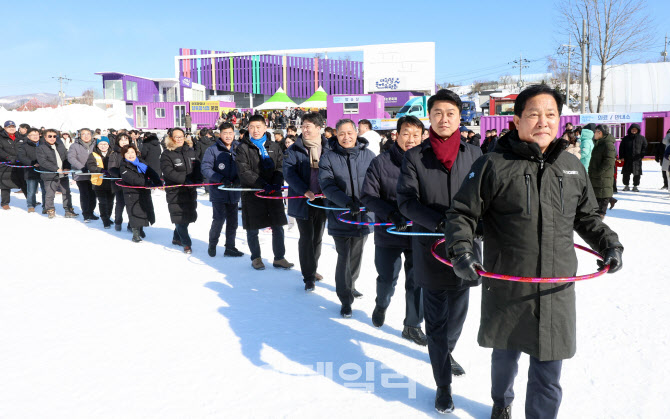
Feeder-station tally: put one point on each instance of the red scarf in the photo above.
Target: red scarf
(12, 136)
(445, 150)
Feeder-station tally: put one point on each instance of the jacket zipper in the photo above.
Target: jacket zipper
(351, 181)
(560, 182)
(527, 194)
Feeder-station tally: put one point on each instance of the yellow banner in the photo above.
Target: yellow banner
(206, 106)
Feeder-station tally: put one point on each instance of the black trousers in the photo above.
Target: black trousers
(543, 393)
(388, 262)
(309, 244)
(665, 178)
(223, 213)
(626, 179)
(349, 257)
(602, 205)
(120, 205)
(105, 204)
(86, 198)
(180, 233)
(445, 313)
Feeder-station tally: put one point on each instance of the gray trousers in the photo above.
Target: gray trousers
(52, 187)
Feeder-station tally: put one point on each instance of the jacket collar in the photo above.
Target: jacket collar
(511, 142)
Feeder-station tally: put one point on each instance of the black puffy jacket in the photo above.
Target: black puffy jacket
(181, 167)
(10, 177)
(28, 157)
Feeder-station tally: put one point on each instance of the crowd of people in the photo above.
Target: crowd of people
(522, 194)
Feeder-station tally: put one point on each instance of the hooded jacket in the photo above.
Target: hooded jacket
(632, 150)
(10, 177)
(28, 157)
(586, 146)
(601, 167)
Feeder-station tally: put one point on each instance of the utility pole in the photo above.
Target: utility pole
(521, 64)
(582, 101)
(665, 49)
(569, 48)
(61, 94)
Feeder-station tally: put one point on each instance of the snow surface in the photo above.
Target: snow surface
(68, 118)
(95, 326)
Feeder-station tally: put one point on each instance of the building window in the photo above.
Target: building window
(141, 117)
(114, 89)
(198, 95)
(179, 116)
(160, 112)
(350, 108)
(131, 90)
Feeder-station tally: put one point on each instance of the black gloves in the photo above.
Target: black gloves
(612, 258)
(354, 208)
(269, 189)
(466, 267)
(398, 221)
(440, 226)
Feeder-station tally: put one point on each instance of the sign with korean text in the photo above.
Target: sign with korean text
(610, 118)
(352, 99)
(206, 106)
(185, 82)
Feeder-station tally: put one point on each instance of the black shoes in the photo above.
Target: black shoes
(176, 242)
(142, 233)
(415, 334)
(309, 286)
(378, 316)
(612, 202)
(136, 235)
(443, 401)
(357, 294)
(211, 250)
(626, 188)
(456, 368)
(635, 189)
(187, 250)
(501, 412)
(94, 217)
(232, 252)
(117, 227)
(345, 311)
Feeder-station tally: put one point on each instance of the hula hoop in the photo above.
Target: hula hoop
(65, 172)
(412, 233)
(7, 163)
(531, 279)
(245, 189)
(360, 223)
(283, 197)
(330, 208)
(196, 185)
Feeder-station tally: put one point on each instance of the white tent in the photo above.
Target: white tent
(633, 87)
(279, 100)
(68, 118)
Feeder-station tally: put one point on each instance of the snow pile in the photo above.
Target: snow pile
(95, 326)
(68, 118)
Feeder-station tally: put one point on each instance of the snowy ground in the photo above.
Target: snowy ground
(95, 326)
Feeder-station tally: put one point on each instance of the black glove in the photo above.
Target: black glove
(398, 221)
(441, 225)
(269, 189)
(227, 184)
(466, 267)
(236, 184)
(612, 258)
(354, 208)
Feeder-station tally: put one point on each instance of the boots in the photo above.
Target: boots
(378, 316)
(501, 412)
(443, 400)
(136, 235)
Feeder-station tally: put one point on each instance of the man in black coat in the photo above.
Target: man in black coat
(379, 196)
(259, 164)
(632, 150)
(151, 152)
(430, 175)
(28, 157)
(52, 158)
(301, 171)
(10, 177)
(530, 196)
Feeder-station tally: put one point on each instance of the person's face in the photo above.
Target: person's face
(86, 136)
(362, 129)
(178, 138)
(291, 132)
(425, 135)
(257, 130)
(539, 121)
(327, 134)
(310, 131)
(471, 134)
(34, 136)
(134, 136)
(289, 142)
(569, 127)
(227, 136)
(130, 154)
(597, 134)
(123, 141)
(634, 131)
(10, 129)
(394, 136)
(278, 137)
(410, 136)
(50, 138)
(23, 131)
(103, 146)
(444, 118)
(346, 135)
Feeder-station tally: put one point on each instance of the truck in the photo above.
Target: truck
(469, 114)
(418, 106)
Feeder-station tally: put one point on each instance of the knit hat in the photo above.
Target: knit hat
(103, 140)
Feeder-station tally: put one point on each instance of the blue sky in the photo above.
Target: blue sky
(474, 39)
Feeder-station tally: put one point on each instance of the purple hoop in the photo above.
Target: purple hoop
(360, 223)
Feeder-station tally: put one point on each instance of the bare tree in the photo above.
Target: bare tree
(87, 97)
(617, 31)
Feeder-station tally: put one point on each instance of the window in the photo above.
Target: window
(131, 90)
(114, 89)
(141, 117)
(198, 95)
(169, 94)
(179, 115)
(350, 108)
(160, 112)
(466, 106)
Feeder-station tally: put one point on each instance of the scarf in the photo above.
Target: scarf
(12, 136)
(260, 143)
(446, 150)
(59, 162)
(141, 167)
(314, 149)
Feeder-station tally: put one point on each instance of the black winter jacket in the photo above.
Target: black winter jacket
(28, 157)
(297, 172)
(379, 195)
(139, 205)
(218, 166)
(202, 145)
(151, 153)
(530, 204)
(92, 167)
(632, 150)
(425, 192)
(257, 212)
(46, 158)
(10, 177)
(180, 166)
(341, 175)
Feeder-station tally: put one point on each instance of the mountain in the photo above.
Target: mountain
(10, 102)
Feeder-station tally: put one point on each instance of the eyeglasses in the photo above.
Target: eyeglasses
(51, 136)
(310, 126)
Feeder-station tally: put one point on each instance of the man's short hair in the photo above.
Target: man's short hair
(344, 121)
(329, 130)
(603, 129)
(85, 129)
(226, 125)
(32, 130)
(48, 130)
(290, 127)
(409, 120)
(314, 118)
(366, 123)
(531, 92)
(257, 118)
(445, 95)
(24, 126)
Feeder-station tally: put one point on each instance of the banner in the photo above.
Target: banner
(610, 118)
(207, 106)
(185, 82)
(352, 99)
